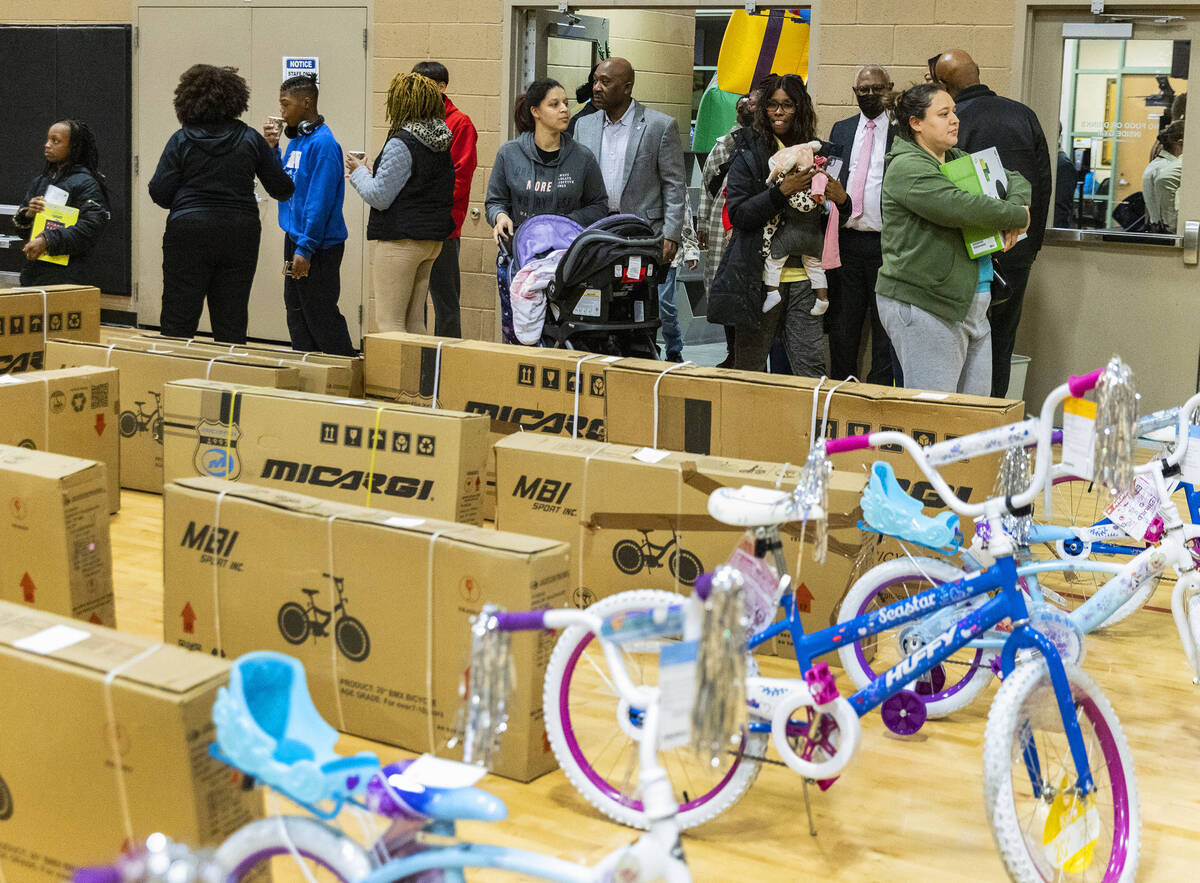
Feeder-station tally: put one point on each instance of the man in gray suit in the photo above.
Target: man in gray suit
(641, 159)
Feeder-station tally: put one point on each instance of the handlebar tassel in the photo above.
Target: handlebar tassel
(719, 713)
(486, 686)
(812, 493)
(1116, 427)
(1012, 479)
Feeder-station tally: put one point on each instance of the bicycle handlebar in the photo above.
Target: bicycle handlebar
(521, 620)
(1079, 385)
(107, 874)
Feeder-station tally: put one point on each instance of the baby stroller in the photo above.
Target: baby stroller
(604, 294)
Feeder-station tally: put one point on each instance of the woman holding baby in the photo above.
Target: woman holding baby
(770, 279)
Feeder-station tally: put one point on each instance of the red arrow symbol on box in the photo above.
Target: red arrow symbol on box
(95, 619)
(189, 619)
(100, 424)
(803, 598)
(28, 588)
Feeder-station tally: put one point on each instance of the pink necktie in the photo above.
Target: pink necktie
(858, 187)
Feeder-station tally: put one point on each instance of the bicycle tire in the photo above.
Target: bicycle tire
(690, 572)
(565, 684)
(1193, 612)
(293, 623)
(260, 841)
(1025, 704)
(352, 639)
(156, 429)
(6, 802)
(627, 555)
(127, 424)
(865, 659)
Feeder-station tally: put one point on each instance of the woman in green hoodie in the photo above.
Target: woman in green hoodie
(933, 298)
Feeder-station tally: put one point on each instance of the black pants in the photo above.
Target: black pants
(209, 258)
(1005, 315)
(444, 289)
(851, 303)
(314, 321)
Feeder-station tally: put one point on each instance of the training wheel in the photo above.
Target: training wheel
(903, 713)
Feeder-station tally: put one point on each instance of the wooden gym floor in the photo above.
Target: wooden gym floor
(906, 810)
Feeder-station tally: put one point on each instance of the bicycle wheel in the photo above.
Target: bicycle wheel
(949, 686)
(318, 844)
(6, 802)
(1042, 830)
(1077, 502)
(352, 639)
(685, 566)
(293, 623)
(627, 555)
(127, 423)
(600, 759)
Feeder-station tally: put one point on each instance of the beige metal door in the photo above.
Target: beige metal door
(255, 40)
(1090, 299)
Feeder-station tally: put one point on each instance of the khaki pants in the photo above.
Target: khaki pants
(401, 275)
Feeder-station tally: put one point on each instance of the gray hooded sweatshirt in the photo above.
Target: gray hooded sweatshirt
(522, 185)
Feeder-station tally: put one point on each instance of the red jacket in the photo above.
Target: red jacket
(462, 152)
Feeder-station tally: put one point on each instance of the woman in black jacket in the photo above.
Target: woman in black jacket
(784, 117)
(206, 178)
(72, 164)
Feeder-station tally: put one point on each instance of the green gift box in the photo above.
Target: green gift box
(983, 174)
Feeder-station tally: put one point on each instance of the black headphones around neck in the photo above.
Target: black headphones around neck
(306, 127)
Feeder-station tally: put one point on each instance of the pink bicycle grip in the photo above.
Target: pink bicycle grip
(849, 443)
(1079, 385)
(521, 620)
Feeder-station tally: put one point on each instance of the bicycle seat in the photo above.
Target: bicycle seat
(139, 404)
(268, 728)
(889, 510)
(749, 506)
(399, 793)
(311, 592)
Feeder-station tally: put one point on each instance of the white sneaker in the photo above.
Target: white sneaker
(771, 300)
(819, 308)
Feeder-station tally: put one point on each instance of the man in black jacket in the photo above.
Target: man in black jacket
(985, 119)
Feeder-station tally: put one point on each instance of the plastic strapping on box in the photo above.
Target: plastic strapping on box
(578, 386)
(828, 400)
(437, 374)
(374, 444)
(208, 370)
(108, 354)
(433, 538)
(114, 740)
(583, 513)
(816, 406)
(675, 528)
(216, 571)
(229, 428)
(333, 604)
(782, 473)
(45, 318)
(664, 373)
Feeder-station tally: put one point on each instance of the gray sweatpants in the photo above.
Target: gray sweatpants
(803, 334)
(939, 355)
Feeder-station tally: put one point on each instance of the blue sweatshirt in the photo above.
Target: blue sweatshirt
(313, 216)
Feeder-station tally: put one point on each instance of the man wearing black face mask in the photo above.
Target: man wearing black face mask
(864, 139)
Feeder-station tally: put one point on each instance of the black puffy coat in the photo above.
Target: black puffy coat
(85, 193)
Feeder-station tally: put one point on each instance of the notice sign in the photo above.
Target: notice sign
(302, 66)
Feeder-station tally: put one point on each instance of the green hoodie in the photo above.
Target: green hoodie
(925, 261)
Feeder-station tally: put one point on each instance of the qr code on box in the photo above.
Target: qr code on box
(100, 396)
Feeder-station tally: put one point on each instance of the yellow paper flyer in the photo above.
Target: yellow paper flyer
(54, 217)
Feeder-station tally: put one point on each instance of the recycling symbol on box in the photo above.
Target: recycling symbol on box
(78, 402)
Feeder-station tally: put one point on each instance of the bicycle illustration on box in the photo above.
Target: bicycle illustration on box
(6, 802)
(132, 422)
(631, 556)
(297, 623)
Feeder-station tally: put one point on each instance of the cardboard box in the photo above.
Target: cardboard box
(402, 592)
(980, 173)
(335, 377)
(639, 520)
(72, 411)
(521, 389)
(423, 462)
(354, 364)
(143, 376)
(28, 317)
(54, 534)
(80, 755)
(755, 416)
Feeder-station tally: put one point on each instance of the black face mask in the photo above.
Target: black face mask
(871, 105)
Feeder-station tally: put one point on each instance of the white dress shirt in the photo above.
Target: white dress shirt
(872, 217)
(614, 139)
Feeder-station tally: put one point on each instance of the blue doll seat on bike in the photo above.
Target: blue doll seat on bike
(888, 510)
(268, 727)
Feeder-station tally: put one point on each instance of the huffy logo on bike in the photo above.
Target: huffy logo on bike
(217, 451)
(901, 672)
(6, 801)
(298, 622)
(907, 609)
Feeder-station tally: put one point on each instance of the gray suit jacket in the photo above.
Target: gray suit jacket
(654, 184)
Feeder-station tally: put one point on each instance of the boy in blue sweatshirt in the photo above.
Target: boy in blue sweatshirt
(315, 232)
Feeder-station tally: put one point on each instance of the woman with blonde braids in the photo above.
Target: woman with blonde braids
(410, 189)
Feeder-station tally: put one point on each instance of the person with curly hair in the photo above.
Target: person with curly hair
(410, 189)
(205, 177)
(73, 165)
(314, 228)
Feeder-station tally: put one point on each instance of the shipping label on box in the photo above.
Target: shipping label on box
(633, 524)
(375, 605)
(143, 376)
(55, 553)
(413, 460)
(750, 415)
(105, 742)
(28, 317)
(72, 411)
(520, 389)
